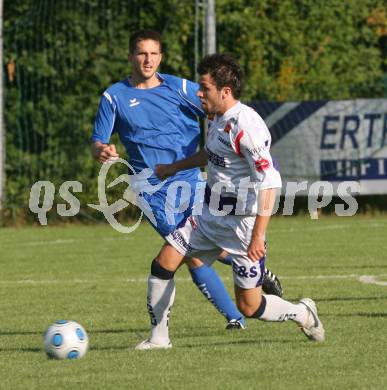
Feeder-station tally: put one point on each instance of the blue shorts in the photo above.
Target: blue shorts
(171, 211)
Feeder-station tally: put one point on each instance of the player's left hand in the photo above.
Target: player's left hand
(256, 249)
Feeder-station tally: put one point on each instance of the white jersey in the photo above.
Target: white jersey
(238, 148)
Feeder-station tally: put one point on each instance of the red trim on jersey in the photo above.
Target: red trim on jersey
(237, 143)
(262, 165)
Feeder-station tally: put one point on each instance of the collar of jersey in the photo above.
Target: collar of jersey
(230, 112)
(161, 78)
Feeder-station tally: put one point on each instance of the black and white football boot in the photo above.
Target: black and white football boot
(236, 324)
(271, 284)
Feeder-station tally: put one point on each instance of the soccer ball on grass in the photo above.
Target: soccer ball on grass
(66, 340)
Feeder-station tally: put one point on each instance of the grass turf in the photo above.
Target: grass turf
(97, 277)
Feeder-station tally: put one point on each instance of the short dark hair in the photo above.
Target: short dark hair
(225, 71)
(143, 35)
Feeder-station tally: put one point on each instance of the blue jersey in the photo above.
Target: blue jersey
(157, 126)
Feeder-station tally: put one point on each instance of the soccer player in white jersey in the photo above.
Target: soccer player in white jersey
(239, 199)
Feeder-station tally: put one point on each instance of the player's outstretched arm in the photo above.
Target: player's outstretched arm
(199, 159)
(103, 152)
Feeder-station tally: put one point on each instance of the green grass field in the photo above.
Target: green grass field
(96, 276)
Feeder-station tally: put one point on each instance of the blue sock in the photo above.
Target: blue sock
(209, 283)
(226, 260)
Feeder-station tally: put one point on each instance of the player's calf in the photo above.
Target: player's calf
(213, 289)
(160, 298)
(275, 309)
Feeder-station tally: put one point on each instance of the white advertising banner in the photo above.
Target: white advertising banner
(331, 141)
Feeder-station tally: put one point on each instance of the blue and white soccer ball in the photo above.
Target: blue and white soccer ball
(66, 340)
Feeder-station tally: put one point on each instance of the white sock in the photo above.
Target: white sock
(160, 297)
(279, 310)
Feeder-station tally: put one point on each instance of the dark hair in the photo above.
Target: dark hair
(225, 71)
(142, 35)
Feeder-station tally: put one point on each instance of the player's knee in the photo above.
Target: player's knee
(160, 272)
(249, 309)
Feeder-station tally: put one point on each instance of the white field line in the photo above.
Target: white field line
(129, 237)
(72, 241)
(367, 279)
(312, 229)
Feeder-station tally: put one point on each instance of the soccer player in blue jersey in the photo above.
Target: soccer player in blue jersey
(155, 116)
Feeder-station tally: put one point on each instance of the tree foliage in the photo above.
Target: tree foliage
(307, 49)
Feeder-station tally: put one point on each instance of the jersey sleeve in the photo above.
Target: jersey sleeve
(251, 141)
(105, 119)
(188, 91)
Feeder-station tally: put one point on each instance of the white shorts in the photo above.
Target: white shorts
(205, 235)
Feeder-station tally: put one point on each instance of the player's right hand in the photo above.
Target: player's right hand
(106, 153)
(163, 171)
(257, 248)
